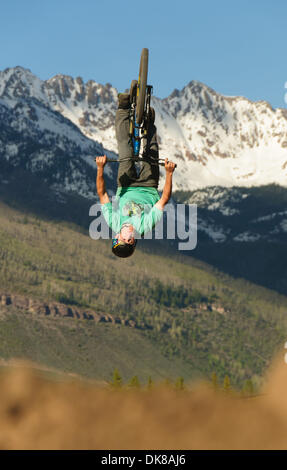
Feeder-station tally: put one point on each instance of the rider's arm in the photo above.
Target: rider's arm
(101, 187)
(165, 197)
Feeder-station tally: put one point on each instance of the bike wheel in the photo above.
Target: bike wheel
(142, 82)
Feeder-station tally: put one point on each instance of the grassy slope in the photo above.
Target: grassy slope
(84, 348)
(47, 260)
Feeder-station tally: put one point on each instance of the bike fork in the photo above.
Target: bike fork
(134, 131)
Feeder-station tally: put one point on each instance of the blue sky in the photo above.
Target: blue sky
(235, 47)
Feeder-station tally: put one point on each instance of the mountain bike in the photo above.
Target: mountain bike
(140, 112)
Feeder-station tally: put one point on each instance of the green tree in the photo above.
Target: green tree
(134, 382)
(117, 380)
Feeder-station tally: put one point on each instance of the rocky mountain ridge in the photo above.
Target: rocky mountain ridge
(215, 139)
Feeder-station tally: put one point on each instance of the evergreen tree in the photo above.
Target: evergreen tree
(117, 379)
(134, 382)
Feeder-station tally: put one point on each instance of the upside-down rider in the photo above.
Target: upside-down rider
(140, 206)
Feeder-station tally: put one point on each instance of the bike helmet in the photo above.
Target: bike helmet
(122, 249)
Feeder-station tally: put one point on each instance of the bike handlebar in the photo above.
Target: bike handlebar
(159, 161)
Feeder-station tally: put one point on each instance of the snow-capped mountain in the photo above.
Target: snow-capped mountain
(240, 214)
(35, 136)
(214, 139)
(90, 106)
(219, 140)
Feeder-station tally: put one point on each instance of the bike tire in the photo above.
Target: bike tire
(142, 83)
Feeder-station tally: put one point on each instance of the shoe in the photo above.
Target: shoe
(124, 100)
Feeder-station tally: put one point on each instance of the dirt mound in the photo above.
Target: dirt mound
(39, 413)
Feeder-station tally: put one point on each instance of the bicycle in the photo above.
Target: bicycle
(140, 112)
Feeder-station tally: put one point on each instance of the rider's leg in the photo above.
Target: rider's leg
(149, 174)
(127, 172)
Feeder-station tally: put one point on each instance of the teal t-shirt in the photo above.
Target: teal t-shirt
(133, 205)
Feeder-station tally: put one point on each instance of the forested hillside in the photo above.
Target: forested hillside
(189, 312)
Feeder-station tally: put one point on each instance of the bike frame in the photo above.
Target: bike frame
(138, 132)
(135, 129)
